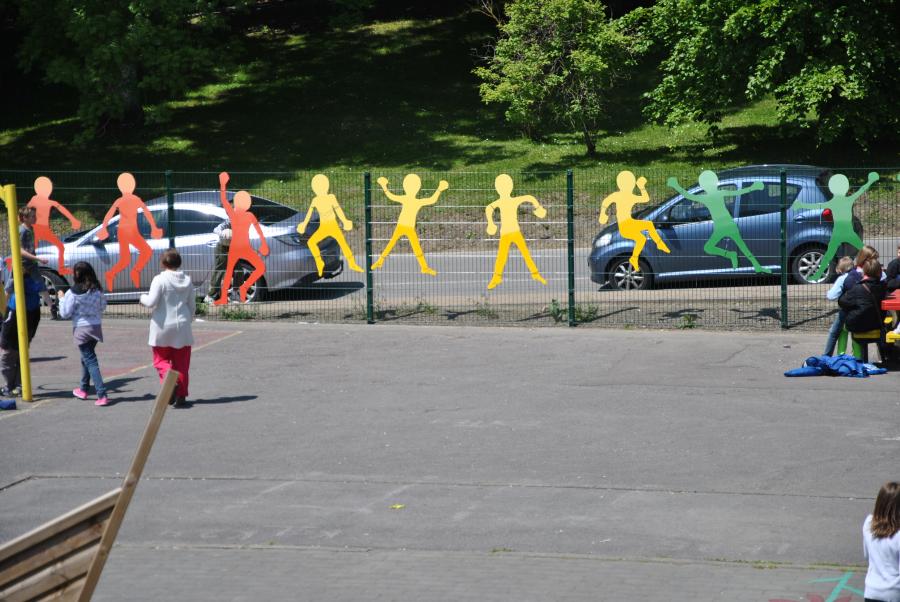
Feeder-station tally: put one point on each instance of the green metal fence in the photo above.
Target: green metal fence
(693, 285)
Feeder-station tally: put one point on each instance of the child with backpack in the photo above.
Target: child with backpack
(862, 304)
(9, 332)
(84, 304)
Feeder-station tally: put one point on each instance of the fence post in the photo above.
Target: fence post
(367, 201)
(570, 242)
(170, 208)
(784, 257)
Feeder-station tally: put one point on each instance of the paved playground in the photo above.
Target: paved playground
(330, 462)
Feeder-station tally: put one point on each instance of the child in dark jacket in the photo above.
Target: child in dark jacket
(862, 304)
(862, 301)
(9, 332)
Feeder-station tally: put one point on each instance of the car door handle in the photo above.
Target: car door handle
(213, 242)
(799, 218)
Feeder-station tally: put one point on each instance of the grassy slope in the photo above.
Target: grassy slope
(394, 95)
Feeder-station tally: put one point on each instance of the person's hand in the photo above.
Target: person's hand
(443, 185)
(540, 212)
(43, 260)
(156, 233)
(223, 179)
(672, 182)
(492, 229)
(642, 182)
(102, 233)
(76, 224)
(757, 186)
(382, 181)
(348, 225)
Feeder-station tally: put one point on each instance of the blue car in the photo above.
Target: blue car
(685, 226)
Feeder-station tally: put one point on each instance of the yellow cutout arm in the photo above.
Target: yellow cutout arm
(383, 182)
(301, 228)
(539, 210)
(489, 213)
(442, 186)
(346, 223)
(604, 217)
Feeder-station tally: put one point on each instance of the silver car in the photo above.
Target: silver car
(196, 214)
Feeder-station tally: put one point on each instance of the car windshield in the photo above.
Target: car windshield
(268, 212)
(643, 213)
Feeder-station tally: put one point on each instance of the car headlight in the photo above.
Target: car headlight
(603, 240)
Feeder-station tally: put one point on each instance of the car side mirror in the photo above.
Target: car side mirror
(662, 221)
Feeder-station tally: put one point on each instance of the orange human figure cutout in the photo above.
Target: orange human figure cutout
(128, 205)
(43, 205)
(241, 249)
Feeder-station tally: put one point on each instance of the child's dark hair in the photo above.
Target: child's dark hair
(25, 212)
(171, 259)
(886, 516)
(85, 277)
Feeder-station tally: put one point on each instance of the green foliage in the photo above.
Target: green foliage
(829, 63)
(556, 311)
(555, 63)
(119, 55)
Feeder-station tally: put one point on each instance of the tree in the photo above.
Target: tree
(828, 63)
(554, 63)
(118, 54)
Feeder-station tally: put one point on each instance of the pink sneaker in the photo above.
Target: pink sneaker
(101, 401)
(79, 393)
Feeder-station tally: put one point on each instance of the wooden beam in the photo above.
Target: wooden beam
(128, 487)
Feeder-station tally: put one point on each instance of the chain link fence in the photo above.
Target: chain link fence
(740, 251)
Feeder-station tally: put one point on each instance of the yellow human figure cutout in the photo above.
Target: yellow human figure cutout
(406, 221)
(624, 199)
(509, 227)
(326, 205)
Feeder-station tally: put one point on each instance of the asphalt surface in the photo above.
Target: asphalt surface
(345, 462)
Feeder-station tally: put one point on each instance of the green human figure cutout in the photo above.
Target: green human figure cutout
(841, 207)
(723, 221)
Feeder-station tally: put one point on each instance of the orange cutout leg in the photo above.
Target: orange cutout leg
(259, 268)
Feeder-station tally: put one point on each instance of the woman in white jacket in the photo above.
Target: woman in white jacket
(171, 298)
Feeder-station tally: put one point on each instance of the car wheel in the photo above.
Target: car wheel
(623, 276)
(805, 264)
(54, 282)
(257, 292)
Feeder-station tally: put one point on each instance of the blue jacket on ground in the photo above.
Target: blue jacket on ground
(838, 365)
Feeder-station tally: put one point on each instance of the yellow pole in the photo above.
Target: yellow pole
(9, 197)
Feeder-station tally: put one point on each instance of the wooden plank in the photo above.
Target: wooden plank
(59, 524)
(67, 593)
(51, 577)
(46, 552)
(131, 481)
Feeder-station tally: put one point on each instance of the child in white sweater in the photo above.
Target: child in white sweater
(171, 298)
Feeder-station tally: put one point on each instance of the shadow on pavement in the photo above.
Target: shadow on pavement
(218, 400)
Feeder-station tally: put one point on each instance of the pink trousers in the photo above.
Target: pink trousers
(166, 358)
